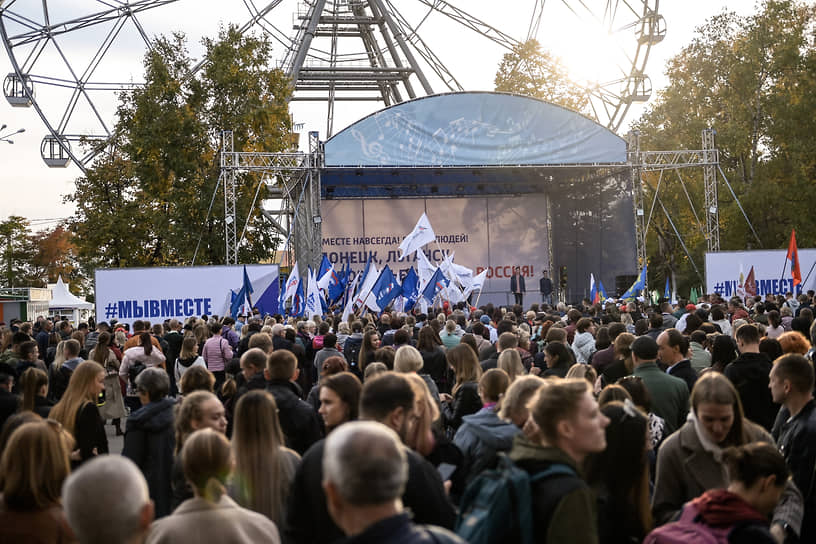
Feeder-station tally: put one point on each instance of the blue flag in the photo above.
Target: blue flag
(386, 288)
(410, 289)
(667, 291)
(337, 285)
(437, 282)
(325, 266)
(601, 290)
(241, 297)
(298, 302)
(639, 285)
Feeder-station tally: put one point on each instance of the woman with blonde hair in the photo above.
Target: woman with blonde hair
(198, 410)
(409, 360)
(510, 362)
(78, 413)
(518, 394)
(420, 434)
(211, 515)
(114, 407)
(34, 383)
(30, 484)
(264, 466)
(465, 395)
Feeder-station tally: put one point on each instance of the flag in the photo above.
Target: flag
(476, 283)
(424, 269)
(410, 289)
(437, 282)
(348, 302)
(421, 235)
(793, 255)
(593, 289)
(667, 290)
(298, 301)
(337, 285)
(323, 275)
(750, 284)
(241, 300)
(601, 291)
(386, 288)
(693, 295)
(292, 283)
(312, 306)
(364, 296)
(639, 285)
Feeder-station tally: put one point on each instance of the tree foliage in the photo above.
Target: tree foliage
(146, 203)
(32, 259)
(531, 71)
(753, 80)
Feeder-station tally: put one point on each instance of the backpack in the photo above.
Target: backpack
(351, 350)
(135, 370)
(497, 504)
(688, 529)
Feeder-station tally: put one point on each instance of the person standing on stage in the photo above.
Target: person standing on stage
(517, 285)
(546, 287)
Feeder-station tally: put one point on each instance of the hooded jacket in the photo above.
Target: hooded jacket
(481, 436)
(149, 442)
(583, 346)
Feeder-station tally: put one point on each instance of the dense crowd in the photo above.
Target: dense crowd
(605, 423)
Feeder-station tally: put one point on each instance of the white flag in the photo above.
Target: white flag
(365, 289)
(425, 270)
(476, 283)
(292, 283)
(313, 306)
(421, 235)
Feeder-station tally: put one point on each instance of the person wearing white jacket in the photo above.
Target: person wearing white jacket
(584, 343)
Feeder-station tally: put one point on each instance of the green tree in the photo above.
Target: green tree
(16, 251)
(753, 80)
(530, 71)
(146, 203)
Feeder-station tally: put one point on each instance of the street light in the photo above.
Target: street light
(7, 137)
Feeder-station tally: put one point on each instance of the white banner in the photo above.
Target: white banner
(157, 294)
(723, 271)
(492, 234)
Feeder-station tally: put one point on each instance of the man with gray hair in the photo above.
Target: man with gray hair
(106, 502)
(365, 470)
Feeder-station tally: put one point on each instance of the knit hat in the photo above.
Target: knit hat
(485, 319)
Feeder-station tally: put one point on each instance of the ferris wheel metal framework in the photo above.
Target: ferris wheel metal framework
(48, 47)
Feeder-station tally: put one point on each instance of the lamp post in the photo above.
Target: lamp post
(7, 137)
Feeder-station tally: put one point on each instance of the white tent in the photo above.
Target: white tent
(62, 299)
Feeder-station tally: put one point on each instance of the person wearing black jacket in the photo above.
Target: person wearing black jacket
(389, 400)
(672, 350)
(299, 422)
(750, 375)
(149, 436)
(791, 384)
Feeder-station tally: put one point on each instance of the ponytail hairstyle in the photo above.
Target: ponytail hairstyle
(755, 460)
(492, 386)
(102, 350)
(207, 462)
(145, 340)
(32, 380)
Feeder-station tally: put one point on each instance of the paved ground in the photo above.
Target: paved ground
(115, 443)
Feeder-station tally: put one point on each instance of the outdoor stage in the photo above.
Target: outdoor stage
(505, 180)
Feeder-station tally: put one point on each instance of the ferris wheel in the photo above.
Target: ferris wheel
(71, 61)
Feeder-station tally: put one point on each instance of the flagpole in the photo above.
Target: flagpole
(370, 289)
(808, 274)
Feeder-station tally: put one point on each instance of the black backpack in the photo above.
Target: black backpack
(351, 351)
(134, 371)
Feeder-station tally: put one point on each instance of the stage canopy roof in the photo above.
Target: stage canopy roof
(466, 143)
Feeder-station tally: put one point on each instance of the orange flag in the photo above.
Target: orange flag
(750, 284)
(793, 255)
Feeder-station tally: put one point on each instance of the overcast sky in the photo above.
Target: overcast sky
(35, 191)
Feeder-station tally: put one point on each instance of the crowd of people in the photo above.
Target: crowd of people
(605, 423)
